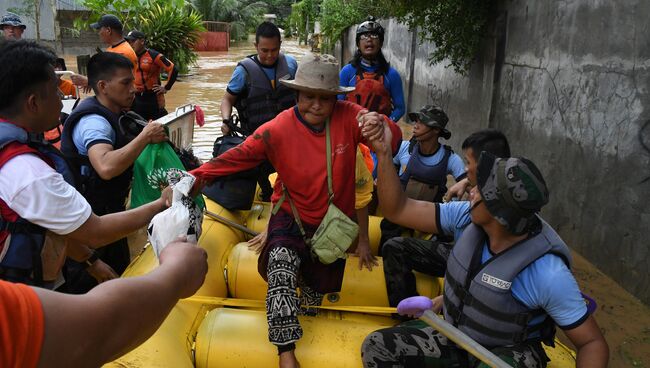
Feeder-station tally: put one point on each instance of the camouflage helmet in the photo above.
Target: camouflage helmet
(434, 117)
(513, 190)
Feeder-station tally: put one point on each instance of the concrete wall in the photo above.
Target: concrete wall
(85, 42)
(567, 81)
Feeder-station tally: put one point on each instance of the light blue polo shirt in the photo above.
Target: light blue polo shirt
(90, 130)
(547, 283)
(238, 80)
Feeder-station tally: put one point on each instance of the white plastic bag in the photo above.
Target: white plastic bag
(182, 218)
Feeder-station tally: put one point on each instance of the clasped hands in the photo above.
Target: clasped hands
(374, 130)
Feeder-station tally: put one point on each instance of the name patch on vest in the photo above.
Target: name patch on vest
(496, 282)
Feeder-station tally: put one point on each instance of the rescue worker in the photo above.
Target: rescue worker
(508, 281)
(12, 27)
(295, 142)
(378, 86)
(42, 216)
(255, 92)
(150, 98)
(110, 31)
(429, 163)
(102, 151)
(403, 255)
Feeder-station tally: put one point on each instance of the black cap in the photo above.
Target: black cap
(134, 35)
(108, 20)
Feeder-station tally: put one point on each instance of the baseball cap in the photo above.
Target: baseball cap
(107, 20)
(134, 35)
(513, 190)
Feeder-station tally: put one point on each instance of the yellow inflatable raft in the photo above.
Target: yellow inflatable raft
(224, 324)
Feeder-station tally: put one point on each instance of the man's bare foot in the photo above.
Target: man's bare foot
(288, 360)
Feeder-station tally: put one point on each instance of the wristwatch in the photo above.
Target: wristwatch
(91, 260)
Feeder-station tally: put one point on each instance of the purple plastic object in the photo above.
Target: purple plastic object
(591, 303)
(414, 306)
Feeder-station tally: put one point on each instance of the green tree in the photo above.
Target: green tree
(172, 27)
(456, 27)
(303, 16)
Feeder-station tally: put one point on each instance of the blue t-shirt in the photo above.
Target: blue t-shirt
(90, 130)
(402, 157)
(455, 165)
(453, 217)
(547, 283)
(238, 80)
(392, 82)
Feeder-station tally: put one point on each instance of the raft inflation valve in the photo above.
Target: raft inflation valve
(333, 297)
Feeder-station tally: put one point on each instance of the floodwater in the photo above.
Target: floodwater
(206, 85)
(624, 320)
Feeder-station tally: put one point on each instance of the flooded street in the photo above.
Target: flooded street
(206, 86)
(623, 318)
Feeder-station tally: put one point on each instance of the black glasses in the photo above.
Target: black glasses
(369, 36)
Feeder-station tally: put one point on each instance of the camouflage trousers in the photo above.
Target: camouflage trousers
(402, 256)
(416, 344)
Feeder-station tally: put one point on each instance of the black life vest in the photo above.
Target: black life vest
(262, 102)
(104, 196)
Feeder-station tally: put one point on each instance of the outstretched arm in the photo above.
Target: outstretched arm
(117, 316)
(395, 205)
(241, 158)
(101, 230)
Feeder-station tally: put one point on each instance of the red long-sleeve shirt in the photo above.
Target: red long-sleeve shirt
(298, 154)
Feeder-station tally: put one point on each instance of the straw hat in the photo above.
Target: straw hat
(318, 74)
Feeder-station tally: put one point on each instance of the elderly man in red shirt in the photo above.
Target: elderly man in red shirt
(295, 143)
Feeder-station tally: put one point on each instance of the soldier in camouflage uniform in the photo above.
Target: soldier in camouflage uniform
(515, 281)
(402, 255)
(416, 344)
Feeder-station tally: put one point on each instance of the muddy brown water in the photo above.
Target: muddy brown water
(624, 320)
